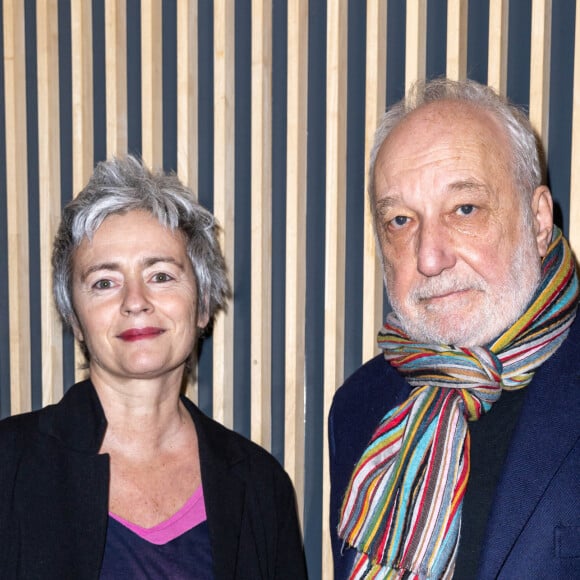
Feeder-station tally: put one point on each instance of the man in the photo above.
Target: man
(434, 474)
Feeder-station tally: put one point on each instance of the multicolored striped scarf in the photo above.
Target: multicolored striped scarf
(402, 508)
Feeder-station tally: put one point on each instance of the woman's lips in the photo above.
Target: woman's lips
(133, 334)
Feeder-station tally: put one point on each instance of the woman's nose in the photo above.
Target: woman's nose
(135, 298)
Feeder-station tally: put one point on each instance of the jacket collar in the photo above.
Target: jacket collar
(78, 420)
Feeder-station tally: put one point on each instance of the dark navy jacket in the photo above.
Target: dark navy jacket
(54, 497)
(533, 531)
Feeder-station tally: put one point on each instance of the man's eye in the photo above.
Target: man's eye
(103, 285)
(399, 221)
(162, 277)
(465, 209)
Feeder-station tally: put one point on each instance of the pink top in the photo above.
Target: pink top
(189, 516)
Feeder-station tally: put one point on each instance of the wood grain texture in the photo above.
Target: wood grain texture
(224, 201)
(457, 39)
(375, 104)
(335, 239)
(152, 83)
(295, 315)
(116, 76)
(416, 41)
(540, 68)
(17, 205)
(261, 244)
(49, 189)
(82, 114)
(498, 45)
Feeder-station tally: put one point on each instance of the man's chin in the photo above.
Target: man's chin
(456, 330)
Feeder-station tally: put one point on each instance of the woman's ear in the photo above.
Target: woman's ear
(542, 212)
(76, 329)
(203, 314)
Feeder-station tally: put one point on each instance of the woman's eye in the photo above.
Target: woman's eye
(465, 209)
(103, 285)
(162, 277)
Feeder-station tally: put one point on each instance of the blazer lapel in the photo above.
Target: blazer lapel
(545, 433)
(224, 492)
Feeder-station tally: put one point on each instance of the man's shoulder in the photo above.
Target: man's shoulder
(376, 384)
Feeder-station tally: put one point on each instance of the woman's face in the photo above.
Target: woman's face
(135, 298)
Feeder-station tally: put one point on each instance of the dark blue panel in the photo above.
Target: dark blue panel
(33, 208)
(396, 23)
(315, 228)
(279, 111)
(205, 178)
(355, 200)
(169, 74)
(477, 41)
(436, 59)
(134, 114)
(99, 84)
(4, 312)
(561, 102)
(243, 234)
(519, 35)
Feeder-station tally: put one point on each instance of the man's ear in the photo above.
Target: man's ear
(542, 212)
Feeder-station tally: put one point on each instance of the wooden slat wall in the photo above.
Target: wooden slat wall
(23, 132)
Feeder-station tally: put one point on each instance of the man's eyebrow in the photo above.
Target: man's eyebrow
(384, 204)
(467, 184)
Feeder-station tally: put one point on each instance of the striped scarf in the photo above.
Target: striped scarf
(402, 508)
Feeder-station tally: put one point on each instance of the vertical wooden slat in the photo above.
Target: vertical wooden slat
(187, 101)
(575, 154)
(375, 91)
(224, 190)
(82, 89)
(82, 114)
(498, 45)
(295, 321)
(17, 205)
(457, 39)
(336, 106)
(152, 83)
(261, 315)
(540, 67)
(416, 43)
(49, 192)
(187, 93)
(116, 76)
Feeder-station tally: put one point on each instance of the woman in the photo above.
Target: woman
(125, 478)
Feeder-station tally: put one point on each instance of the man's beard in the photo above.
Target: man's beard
(501, 305)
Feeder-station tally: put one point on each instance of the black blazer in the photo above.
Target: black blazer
(54, 490)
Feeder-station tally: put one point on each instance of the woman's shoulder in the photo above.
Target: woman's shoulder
(226, 447)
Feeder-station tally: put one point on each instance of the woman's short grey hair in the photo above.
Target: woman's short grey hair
(120, 185)
(525, 148)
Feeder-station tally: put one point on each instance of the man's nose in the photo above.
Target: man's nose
(435, 250)
(135, 298)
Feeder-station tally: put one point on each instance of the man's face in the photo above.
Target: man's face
(461, 262)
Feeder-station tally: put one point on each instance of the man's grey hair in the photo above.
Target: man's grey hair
(527, 166)
(121, 185)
